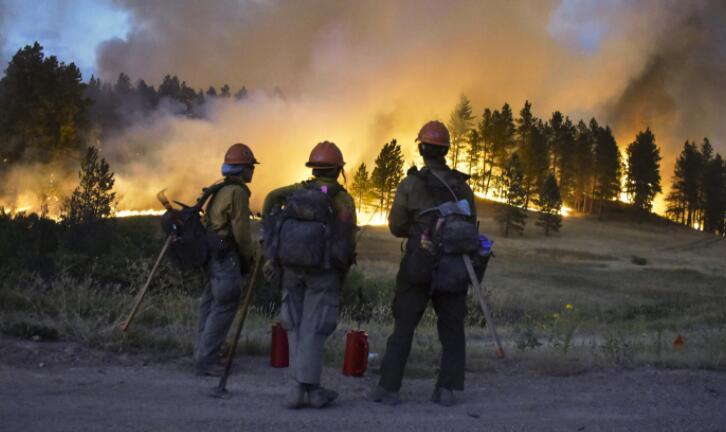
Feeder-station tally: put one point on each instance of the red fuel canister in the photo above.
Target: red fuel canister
(355, 362)
(279, 354)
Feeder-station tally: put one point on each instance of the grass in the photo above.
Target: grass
(600, 294)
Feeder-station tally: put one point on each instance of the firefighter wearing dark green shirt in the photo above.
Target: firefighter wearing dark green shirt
(228, 216)
(309, 241)
(411, 218)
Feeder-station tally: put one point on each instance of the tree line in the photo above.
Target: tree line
(698, 191)
(48, 114)
(530, 163)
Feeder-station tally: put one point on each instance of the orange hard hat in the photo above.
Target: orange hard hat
(434, 133)
(325, 155)
(239, 154)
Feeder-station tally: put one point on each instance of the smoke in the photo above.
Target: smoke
(361, 73)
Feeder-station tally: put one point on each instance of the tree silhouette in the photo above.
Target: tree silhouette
(513, 217)
(534, 159)
(714, 195)
(643, 170)
(361, 184)
(583, 168)
(550, 204)
(43, 108)
(460, 122)
(93, 199)
(502, 138)
(387, 174)
(683, 200)
(607, 165)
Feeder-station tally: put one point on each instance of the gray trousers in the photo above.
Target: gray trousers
(309, 313)
(220, 300)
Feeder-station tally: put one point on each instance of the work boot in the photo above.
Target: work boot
(214, 370)
(296, 396)
(444, 397)
(320, 396)
(379, 394)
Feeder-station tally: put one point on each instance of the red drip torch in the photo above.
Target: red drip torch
(279, 354)
(356, 353)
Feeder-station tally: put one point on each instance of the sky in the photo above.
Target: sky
(362, 72)
(69, 29)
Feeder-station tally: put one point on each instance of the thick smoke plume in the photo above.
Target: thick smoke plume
(361, 73)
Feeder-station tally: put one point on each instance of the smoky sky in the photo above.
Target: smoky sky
(363, 72)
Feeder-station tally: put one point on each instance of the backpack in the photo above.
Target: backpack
(306, 233)
(191, 245)
(453, 233)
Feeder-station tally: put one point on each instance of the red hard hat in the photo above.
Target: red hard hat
(434, 133)
(325, 155)
(239, 154)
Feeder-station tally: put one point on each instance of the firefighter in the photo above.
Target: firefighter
(309, 240)
(227, 219)
(411, 218)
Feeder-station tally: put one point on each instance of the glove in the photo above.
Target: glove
(271, 272)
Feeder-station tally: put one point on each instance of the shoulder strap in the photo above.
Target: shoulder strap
(438, 177)
(208, 192)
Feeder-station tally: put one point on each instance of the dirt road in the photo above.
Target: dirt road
(57, 386)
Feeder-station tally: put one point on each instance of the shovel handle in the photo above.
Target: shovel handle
(499, 351)
(243, 310)
(140, 296)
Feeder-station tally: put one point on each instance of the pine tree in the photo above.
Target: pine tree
(706, 157)
(714, 196)
(225, 91)
(473, 152)
(502, 136)
(361, 184)
(460, 122)
(683, 200)
(643, 170)
(386, 174)
(487, 155)
(583, 167)
(43, 108)
(550, 204)
(170, 88)
(513, 217)
(123, 85)
(607, 166)
(93, 199)
(212, 92)
(241, 93)
(535, 160)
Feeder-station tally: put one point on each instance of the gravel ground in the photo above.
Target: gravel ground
(59, 386)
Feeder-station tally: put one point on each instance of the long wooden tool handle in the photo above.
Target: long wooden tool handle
(244, 308)
(484, 306)
(139, 297)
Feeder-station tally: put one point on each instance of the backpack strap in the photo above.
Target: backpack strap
(209, 192)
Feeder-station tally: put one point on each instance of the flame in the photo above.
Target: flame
(134, 213)
(372, 218)
(564, 210)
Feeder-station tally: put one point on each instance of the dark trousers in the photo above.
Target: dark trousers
(409, 305)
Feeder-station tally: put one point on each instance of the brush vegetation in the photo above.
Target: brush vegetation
(613, 293)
